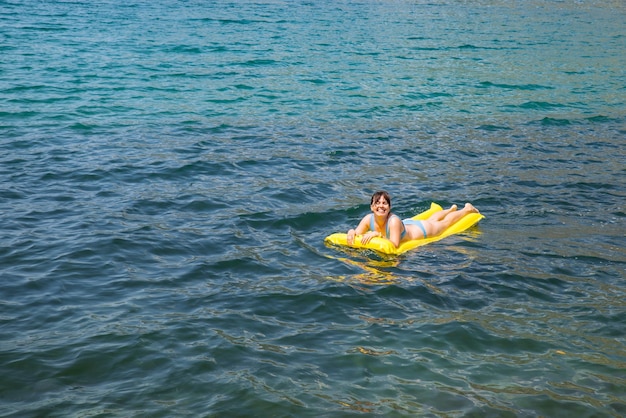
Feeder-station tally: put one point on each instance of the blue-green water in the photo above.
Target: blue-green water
(169, 171)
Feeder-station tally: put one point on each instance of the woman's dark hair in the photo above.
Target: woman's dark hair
(378, 195)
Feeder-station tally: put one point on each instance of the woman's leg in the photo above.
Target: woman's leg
(439, 215)
(438, 226)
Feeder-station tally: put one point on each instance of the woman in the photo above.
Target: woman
(384, 224)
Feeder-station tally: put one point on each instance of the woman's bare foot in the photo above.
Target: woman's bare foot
(469, 208)
(437, 216)
(445, 212)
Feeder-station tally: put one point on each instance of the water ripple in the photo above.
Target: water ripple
(170, 171)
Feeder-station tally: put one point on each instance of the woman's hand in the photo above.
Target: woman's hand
(350, 236)
(367, 237)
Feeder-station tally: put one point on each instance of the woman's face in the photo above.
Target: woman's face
(381, 206)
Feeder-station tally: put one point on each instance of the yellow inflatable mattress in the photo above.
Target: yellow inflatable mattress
(385, 246)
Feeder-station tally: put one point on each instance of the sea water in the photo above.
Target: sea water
(169, 171)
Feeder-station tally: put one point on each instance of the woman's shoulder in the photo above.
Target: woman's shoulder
(394, 218)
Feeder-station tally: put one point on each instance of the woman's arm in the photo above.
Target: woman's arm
(395, 230)
(361, 229)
